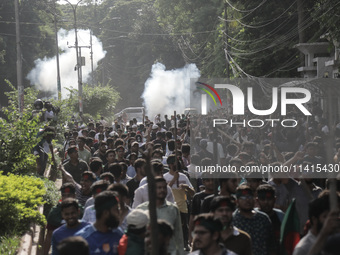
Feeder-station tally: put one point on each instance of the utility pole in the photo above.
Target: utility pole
(78, 65)
(57, 52)
(91, 57)
(19, 59)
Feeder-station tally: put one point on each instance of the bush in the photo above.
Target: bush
(9, 245)
(20, 197)
(18, 136)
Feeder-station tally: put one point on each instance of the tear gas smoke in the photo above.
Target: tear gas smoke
(167, 91)
(44, 74)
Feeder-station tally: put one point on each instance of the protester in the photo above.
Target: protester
(70, 212)
(103, 236)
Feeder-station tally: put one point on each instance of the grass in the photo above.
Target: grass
(9, 245)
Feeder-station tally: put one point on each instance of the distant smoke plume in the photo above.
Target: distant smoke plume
(44, 75)
(167, 91)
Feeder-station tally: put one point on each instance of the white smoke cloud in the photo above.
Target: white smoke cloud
(44, 75)
(167, 91)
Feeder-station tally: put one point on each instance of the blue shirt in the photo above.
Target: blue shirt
(63, 232)
(101, 243)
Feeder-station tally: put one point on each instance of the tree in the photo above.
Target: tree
(97, 101)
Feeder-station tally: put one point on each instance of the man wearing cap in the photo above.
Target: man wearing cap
(132, 243)
(233, 238)
(169, 212)
(70, 212)
(266, 200)
(207, 233)
(255, 223)
(103, 235)
(75, 166)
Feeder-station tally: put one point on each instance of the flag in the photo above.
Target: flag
(290, 230)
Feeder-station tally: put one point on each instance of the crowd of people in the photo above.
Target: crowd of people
(105, 201)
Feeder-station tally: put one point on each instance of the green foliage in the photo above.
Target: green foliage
(18, 135)
(97, 101)
(20, 197)
(52, 195)
(9, 245)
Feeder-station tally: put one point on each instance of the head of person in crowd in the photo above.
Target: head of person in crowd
(118, 142)
(137, 221)
(92, 134)
(158, 167)
(248, 147)
(228, 185)
(134, 147)
(195, 160)
(171, 161)
(140, 167)
(116, 170)
(73, 245)
(157, 154)
(185, 150)
(253, 178)
(75, 135)
(122, 191)
(89, 142)
(266, 198)
(68, 190)
(318, 210)
(208, 182)
(171, 144)
(165, 233)
(223, 207)
(86, 181)
(132, 158)
(72, 152)
(161, 189)
(110, 155)
(244, 157)
(90, 126)
(139, 138)
(107, 209)
(311, 149)
(81, 142)
(236, 163)
(70, 212)
(98, 187)
(110, 143)
(205, 162)
(232, 149)
(245, 199)
(207, 233)
(124, 167)
(107, 176)
(168, 135)
(96, 166)
(102, 147)
(120, 151)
